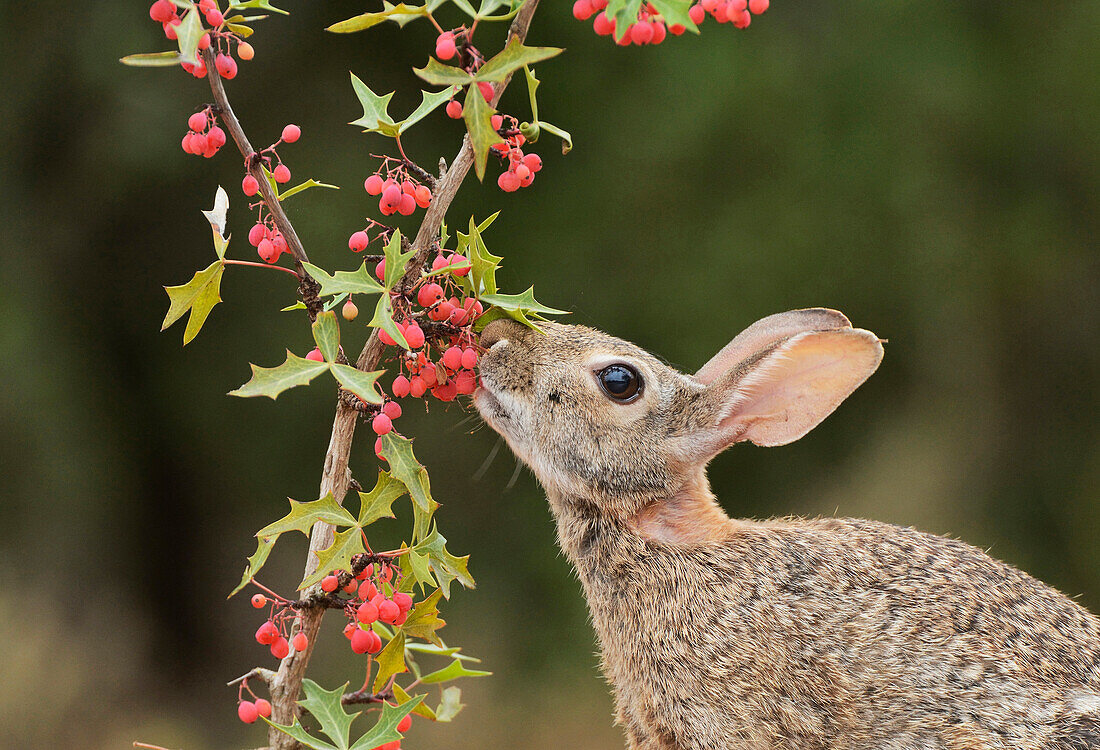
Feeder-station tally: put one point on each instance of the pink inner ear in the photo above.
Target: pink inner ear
(768, 332)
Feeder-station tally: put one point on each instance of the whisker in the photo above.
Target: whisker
(489, 459)
(515, 476)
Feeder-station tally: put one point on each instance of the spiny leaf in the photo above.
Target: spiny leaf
(378, 502)
(424, 620)
(449, 706)
(420, 568)
(345, 545)
(375, 117)
(326, 333)
(361, 281)
(216, 217)
(488, 7)
(391, 661)
(326, 707)
(513, 57)
(446, 566)
(452, 671)
(483, 274)
(438, 74)
(405, 468)
(362, 384)
(261, 4)
(188, 34)
(263, 549)
(478, 116)
(524, 301)
(383, 318)
(152, 59)
(199, 295)
(430, 101)
(395, 260)
(386, 728)
(403, 697)
(298, 732)
(271, 381)
(302, 516)
(367, 20)
(310, 183)
(676, 12)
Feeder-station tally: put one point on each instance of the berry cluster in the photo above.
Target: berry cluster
(372, 597)
(264, 235)
(399, 191)
(521, 167)
(169, 15)
(650, 26)
(204, 137)
(273, 632)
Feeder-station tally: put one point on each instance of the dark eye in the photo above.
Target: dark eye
(620, 382)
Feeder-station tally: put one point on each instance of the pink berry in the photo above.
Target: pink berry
(758, 6)
(452, 358)
(465, 382)
(380, 270)
(246, 712)
(245, 51)
(214, 17)
(454, 109)
(677, 29)
(388, 611)
(381, 424)
(367, 590)
(375, 643)
(508, 181)
(330, 584)
(281, 174)
(414, 336)
(358, 242)
(291, 133)
(256, 233)
(697, 13)
(439, 262)
(367, 613)
(405, 723)
(469, 358)
(280, 648)
(429, 294)
(659, 33)
(250, 185)
(267, 252)
(226, 66)
(216, 136)
(486, 90)
(423, 196)
(445, 46)
(641, 33)
(445, 392)
(533, 162)
(462, 262)
(583, 10)
(258, 600)
(373, 185)
(403, 601)
(400, 386)
(392, 409)
(361, 640)
(315, 355)
(263, 708)
(300, 642)
(522, 172)
(391, 197)
(603, 25)
(407, 205)
(742, 20)
(162, 11)
(197, 122)
(497, 122)
(267, 633)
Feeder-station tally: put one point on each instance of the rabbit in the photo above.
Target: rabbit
(787, 633)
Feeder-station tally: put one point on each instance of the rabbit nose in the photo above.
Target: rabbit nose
(500, 330)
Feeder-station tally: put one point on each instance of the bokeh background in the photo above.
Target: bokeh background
(930, 168)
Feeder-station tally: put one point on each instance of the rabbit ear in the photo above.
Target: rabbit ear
(781, 393)
(768, 332)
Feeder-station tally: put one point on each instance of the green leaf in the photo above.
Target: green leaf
(298, 732)
(513, 57)
(326, 333)
(383, 318)
(446, 566)
(532, 87)
(260, 4)
(419, 566)
(367, 20)
(536, 125)
(310, 183)
(478, 116)
(152, 59)
(395, 260)
(483, 274)
(199, 295)
(378, 502)
(452, 671)
(403, 697)
(216, 217)
(488, 7)
(429, 102)
(524, 302)
(303, 516)
(449, 706)
(676, 12)
(438, 74)
(326, 707)
(391, 661)
(566, 139)
(188, 34)
(487, 317)
(423, 620)
(360, 281)
(345, 545)
(362, 384)
(375, 117)
(440, 650)
(405, 468)
(271, 381)
(263, 549)
(299, 305)
(386, 728)
(240, 30)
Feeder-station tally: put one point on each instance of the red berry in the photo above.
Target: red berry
(378, 449)
(400, 386)
(428, 376)
(533, 162)
(465, 383)
(462, 262)
(405, 723)
(429, 294)
(522, 172)
(391, 196)
(226, 66)
(214, 17)
(445, 46)
(367, 613)
(373, 185)
(216, 136)
(315, 355)
(198, 143)
(677, 29)
(403, 601)
(375, 643)
(385, 338)
(497, 121)
(281, 174)
(445, 392)
(454, 109)
(469, 358)
(388, 611)
(267, 633)
(423, 196)
(508, 182)
(256, 234)
(300, 642)
(250, 185)
(439, 262)
(361, 640)
(258, 600)
(417, 386)
(162, 11)
(267, 251)
(263, 708)
(697, 13)
(381, 424)
(280, 648)
(246, 712)
(742, 20)
(641, 33)
(245, 51)
(659, 33)
(710, 5)
(351, 586)
(452, 358)
(358, 242)
(527, 180)
(407, 206)
(170, 27)
(349, 629)
(291, 133)
(380, 270)
(603, 25)
(385, 572)
(367, 591)
(330, 584)
(486, 90)
(197, 122)
(414, 336)
(583, 10)
(350, 311)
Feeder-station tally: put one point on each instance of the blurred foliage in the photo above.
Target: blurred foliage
(931, 169)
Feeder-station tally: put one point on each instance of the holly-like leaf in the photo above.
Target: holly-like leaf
(188, 34)
(216, 217)
(524, 302)
(423, 620)
(345, 545)
(405, 468)
(298, 732)
(302, 516)
(271, 381)
(676, 12)
(199, 295)
(260, 4)
(452, 671)
(419, 567)
(375, 116)
(399, 12)
(438, 74)
(446, 566)
(488, 7)
(395, 260)
(513, 57)
(391, 660)
(263, 549)
(326, 333)
(386, 728)
(478, 116)
(310, 183)
(379, 501)
(450, 704)
(361, 281)
(429, 102)
(421, 710)
(326, 707)
(362, 384)
(152, 60)
(483, 273)
(383, 318)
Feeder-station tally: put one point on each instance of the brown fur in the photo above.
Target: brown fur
(792, 633)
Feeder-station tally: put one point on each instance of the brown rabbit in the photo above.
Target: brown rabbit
(792, 633)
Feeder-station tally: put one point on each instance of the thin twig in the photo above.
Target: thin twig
(230, 262)
(259, 672)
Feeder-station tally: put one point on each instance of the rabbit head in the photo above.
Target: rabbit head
(601, 421)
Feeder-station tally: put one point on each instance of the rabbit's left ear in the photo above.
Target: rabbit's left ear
(778, 394)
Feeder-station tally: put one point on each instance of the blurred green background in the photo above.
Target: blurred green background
(930, 168)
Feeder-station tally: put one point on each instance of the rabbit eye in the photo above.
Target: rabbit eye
(620, 382)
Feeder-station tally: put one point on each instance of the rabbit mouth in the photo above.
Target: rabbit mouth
(489, 406)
